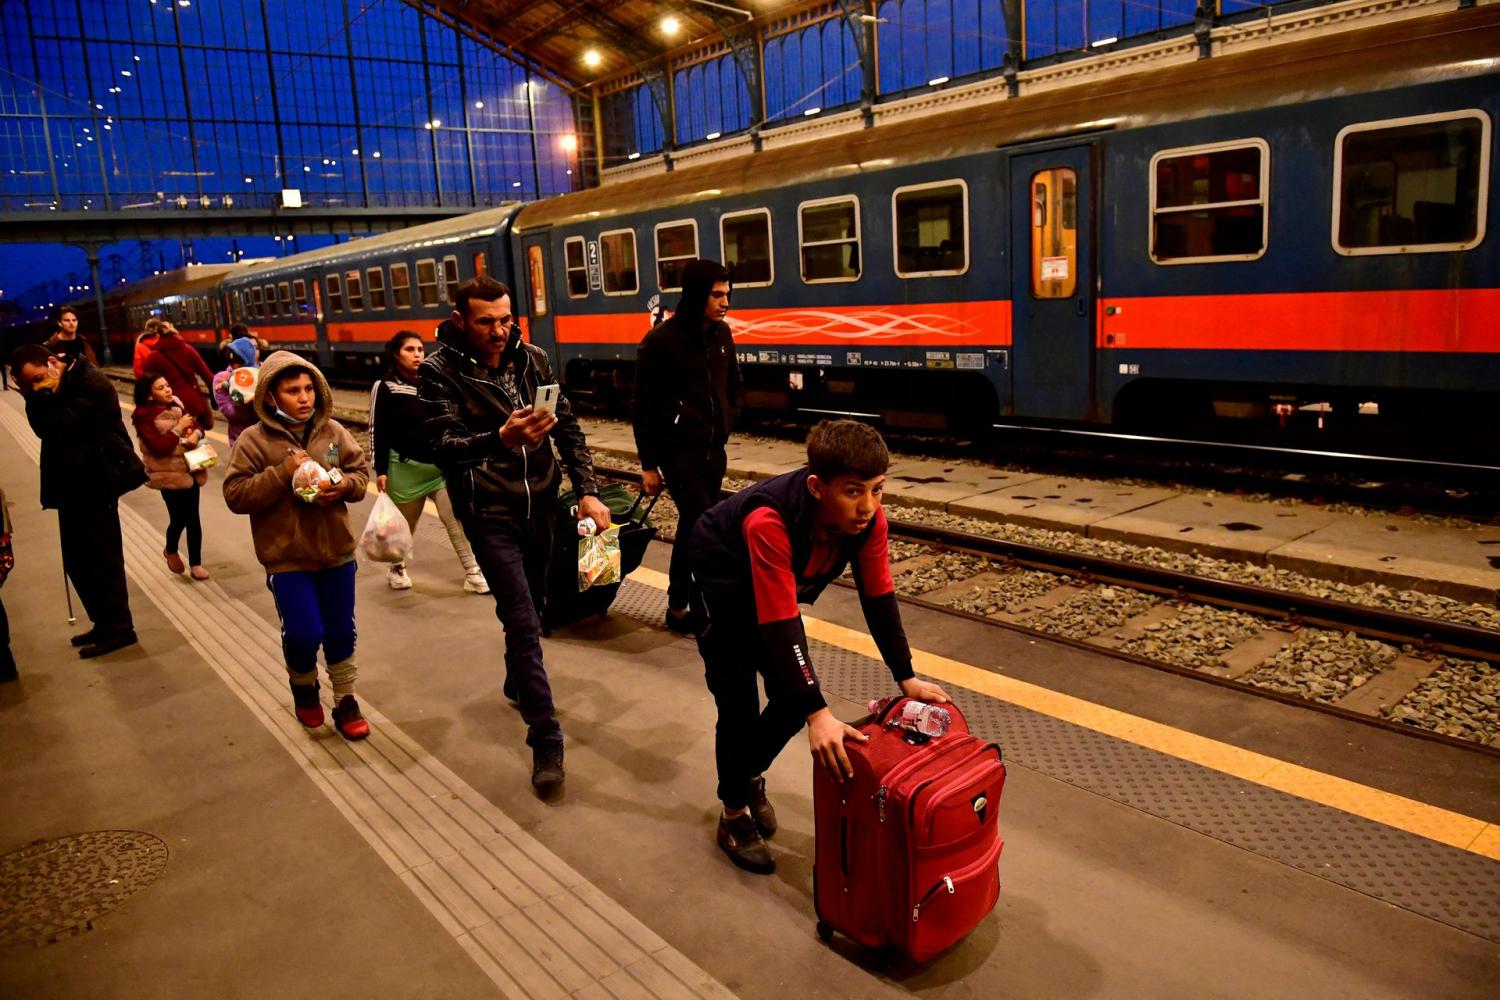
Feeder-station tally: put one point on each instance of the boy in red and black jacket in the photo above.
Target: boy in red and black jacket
(755, 557)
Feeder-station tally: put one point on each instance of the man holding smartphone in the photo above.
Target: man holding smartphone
(495, 449)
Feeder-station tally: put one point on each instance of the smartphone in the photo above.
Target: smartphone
(546, 399)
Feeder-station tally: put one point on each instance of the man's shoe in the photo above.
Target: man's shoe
(760, 808)
(739, 839)
(547, 766)
(348, 720)
(475, 583)
(509, 690)
(398, 578)
(107, 644)
(682, 622)
(87, 638)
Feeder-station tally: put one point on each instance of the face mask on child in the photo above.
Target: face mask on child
(50, 381)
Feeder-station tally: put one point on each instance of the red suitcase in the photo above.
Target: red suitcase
(908, 850)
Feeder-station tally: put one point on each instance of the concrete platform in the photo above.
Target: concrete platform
(1059, 502)
(419, 864)
(1215, 525)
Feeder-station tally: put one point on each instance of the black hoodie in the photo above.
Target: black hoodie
(466, 405)
(687, 380)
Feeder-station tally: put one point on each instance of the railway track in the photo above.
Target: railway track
(1382, 667)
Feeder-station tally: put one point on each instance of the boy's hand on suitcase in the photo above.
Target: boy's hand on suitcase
(825, 738)
(915, 687)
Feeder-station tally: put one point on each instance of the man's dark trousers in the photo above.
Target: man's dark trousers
(94, 559)
(694, 482)
(513, 554)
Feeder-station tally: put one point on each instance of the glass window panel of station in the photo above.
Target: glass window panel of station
(375, 287)
(931, 224)
(354, 290)
(427, 282)
(617, 258)
(400, 286)
(335, 293)
(1417, 184)
(676, 244)
(746, 238)
(1054, 233)
(1209, 203)
(576, 267)
(450, 279)
(830, 240)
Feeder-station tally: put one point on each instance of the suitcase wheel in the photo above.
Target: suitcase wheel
(825, 932)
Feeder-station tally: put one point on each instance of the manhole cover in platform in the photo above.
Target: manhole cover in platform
(56, 888)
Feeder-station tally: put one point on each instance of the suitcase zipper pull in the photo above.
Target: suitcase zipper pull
(916, 911)
(880, 802)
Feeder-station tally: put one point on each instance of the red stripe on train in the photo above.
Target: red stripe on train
(936, 324)
(1461, 321)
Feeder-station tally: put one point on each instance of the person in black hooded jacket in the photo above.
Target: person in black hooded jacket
(687, 388)
(495, 453)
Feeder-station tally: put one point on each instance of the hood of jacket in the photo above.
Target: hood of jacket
(698, 279)
(271, 369)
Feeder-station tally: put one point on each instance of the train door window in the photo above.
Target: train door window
(450, 279)
(256, 309)
(270, 299)
(354, 291)
(537, 278)
(299, 295)
(236, 306)
(481, 263)
(400, 286)
(427, 283)
(746, 240)
(1054, 233)
(1208, 203)
(617, 258)
(828, 231)
(676, 244)
(576, 266)
(335, 293)
(375, 286)
(285, 290)
(932, 231)
(1411, 185)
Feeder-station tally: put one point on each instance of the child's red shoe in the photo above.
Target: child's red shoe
(348, 720)
(311, 717)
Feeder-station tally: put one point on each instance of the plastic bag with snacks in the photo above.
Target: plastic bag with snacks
(599, 559)
(307, 479)
(387, 537)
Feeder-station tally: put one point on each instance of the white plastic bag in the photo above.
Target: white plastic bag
(387, 537)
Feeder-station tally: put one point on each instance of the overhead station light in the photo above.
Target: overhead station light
(812, 111)
(670, 25)
(1104, 41)
(937, 81)
(713, 135)
(592, 59)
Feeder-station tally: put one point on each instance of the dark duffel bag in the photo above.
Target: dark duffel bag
(565, 603)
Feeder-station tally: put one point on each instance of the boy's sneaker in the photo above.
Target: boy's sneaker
(739, 839)
(306, 706)
(760, 808)
(547, 766)
(398, 578)
(348, 720)
(475, 583)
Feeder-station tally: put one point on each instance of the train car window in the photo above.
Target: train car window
(256, 309)
(481, 263)
(1411, 185)
(270, 299)
(1054, 233)
(828, 231)
(335, 293)
(536, 276)
(1208, 203)
(299, 295)
(617, 258)
(354, 291)
(235, 316)
(577, 268)
(931, 227)
(676, 244)
(450, 279)
(285, 289)
(400, 286)
(746, 240)
(427, 283)
(375, 286)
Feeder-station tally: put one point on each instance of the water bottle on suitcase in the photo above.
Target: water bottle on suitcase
(908, 849)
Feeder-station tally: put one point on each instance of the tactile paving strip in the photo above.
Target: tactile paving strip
(1444, 883)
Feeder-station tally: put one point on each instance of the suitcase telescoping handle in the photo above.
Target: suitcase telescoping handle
(630, 516)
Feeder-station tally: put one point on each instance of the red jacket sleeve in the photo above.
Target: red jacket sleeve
(163, 444)
(877, 598)
(790, 671)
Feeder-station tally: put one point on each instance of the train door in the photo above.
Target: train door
(537, 304)
(1052, 311)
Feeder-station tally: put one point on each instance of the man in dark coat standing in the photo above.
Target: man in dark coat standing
(687, 389)
(87, 465)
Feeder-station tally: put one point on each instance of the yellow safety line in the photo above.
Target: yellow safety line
(1433, 822)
